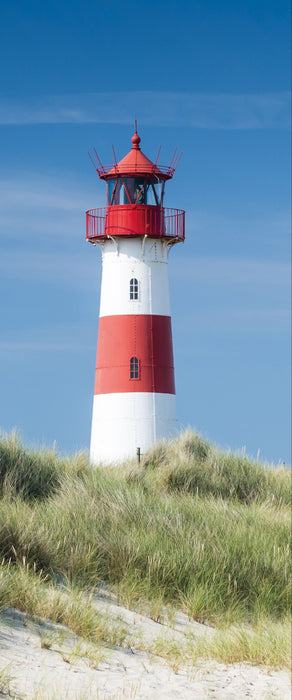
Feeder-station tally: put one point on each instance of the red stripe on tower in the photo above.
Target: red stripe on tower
(146, 338)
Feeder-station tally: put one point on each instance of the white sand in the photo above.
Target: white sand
(123, 674)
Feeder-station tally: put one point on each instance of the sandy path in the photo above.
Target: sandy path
(57, 673)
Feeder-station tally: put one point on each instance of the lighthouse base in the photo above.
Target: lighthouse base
(122, 422)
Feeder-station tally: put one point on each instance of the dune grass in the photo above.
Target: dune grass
(32, 593)
(190, 527)
(266, 643)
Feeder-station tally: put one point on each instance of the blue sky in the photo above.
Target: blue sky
(211, 78)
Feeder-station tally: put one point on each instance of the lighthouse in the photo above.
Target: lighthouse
(134, 394)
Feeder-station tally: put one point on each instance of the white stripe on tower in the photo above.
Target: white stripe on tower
(134, 258)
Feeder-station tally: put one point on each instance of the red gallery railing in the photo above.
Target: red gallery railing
(128, 220)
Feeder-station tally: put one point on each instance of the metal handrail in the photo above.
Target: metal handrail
(171, 222)
(150, 168)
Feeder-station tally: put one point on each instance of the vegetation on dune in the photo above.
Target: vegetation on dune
(190, 526)
(266, 642)
(193, 465)
(33, 594)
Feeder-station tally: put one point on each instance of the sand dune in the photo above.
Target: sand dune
(71, 669)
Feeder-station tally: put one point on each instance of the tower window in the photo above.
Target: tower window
(134, 368)
(134, 288)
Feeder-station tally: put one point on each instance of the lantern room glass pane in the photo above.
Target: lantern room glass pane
(143, 191)
(149, 194)
(159, 189)
(129, 184)
(135, 190)
(125, 196)
(140, 190)
(110, 189)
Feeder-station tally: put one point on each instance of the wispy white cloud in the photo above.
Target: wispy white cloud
(30, 192)
(19, 346)
(265, 222)
(34, 209)
(56, 268)
(269, 321)
(201, 111)
(233, 271)
(38, 205)
(232, 295)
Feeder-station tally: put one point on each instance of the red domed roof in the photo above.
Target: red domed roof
(135, 163)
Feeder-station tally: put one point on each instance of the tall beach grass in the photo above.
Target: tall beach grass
(190, 527)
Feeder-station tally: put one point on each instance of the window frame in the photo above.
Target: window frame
(134, 368)
(134, 289)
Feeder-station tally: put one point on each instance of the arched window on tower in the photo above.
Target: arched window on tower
(134, 288)
(134, 368)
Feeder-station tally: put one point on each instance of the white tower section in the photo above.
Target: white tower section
(123, 421)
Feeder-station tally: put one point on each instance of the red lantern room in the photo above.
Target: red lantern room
(136, 186)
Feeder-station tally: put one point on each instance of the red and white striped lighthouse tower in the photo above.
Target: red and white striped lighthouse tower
(134, 394)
